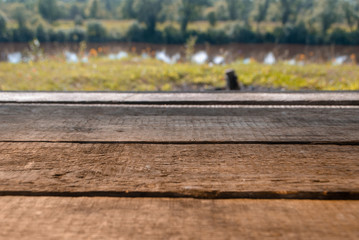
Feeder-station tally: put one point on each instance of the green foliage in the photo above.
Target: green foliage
(214, 36)
(245, 9)
(174, 21)
(59, 36)
(95, 9)
(261, 10)
(49, 9)
(233, 6)
(135, 33)
(328, 14)
(286, 10)
(41, 34)
(294, 34)
(76, 35)
(127, 9)
(172, 35)
(244, 34)
(20, 15)
(75, 11)
(3, 26)
(79, 21)
(351, 13)
(212, 18)
(147, 11)
(189, 10)
(96, 32)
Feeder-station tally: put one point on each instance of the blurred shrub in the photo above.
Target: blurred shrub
(60, 36)
(135, 33)
(23, 34)
(79, 21)
(294, 34)
(339, 36)
(172, 35)
(96, 32)
(214, 36)
(200, 36)
(354, 37)
(41, 34)
(212, 18)
(3, 28)
(76, 35)
(243, 34)
(3, 23)
(153, 37)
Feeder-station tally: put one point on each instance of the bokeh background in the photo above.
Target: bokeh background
(178, 45)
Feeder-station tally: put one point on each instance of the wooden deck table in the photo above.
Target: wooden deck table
(179, 165)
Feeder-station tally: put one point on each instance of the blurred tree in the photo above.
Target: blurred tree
(41, 34)
(221, 11)
(314, 18)
(74, 11)
(96, 32)
(232, 6)
(108, 5)
(245, 9)
(94, 9)
(20, 15)
(76, 35)
(49, 10)
(189, 10)
(3, 23)
(147, 11)
(261, 11)
(79, 21)
(22, 33)
(127, 9)
(286, 10)
(351, 13)
(328, 14)
(212, 18)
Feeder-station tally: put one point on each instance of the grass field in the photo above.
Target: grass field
(135, 74)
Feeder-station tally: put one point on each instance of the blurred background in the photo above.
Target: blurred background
(178, 45)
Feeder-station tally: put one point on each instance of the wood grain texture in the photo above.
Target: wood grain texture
(126, 218)
(70, 123)
(313, 98)
(204, 171)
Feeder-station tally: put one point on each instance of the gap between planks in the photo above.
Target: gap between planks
(184, 143)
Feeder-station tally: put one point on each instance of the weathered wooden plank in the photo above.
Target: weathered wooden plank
(93, 123)
(126, 218)
(310, 98)
(204, 171)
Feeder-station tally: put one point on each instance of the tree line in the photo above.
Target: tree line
(246, 21)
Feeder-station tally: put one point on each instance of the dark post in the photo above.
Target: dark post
(232, 80)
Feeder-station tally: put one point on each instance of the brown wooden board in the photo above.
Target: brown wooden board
(94, 123)
(309, 98)
(127, 218)
(203, 171)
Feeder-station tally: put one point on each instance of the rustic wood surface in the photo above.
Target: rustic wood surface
(314, 98)
(128, 218)
(133, 166)
(94, 123)
(208, 171)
